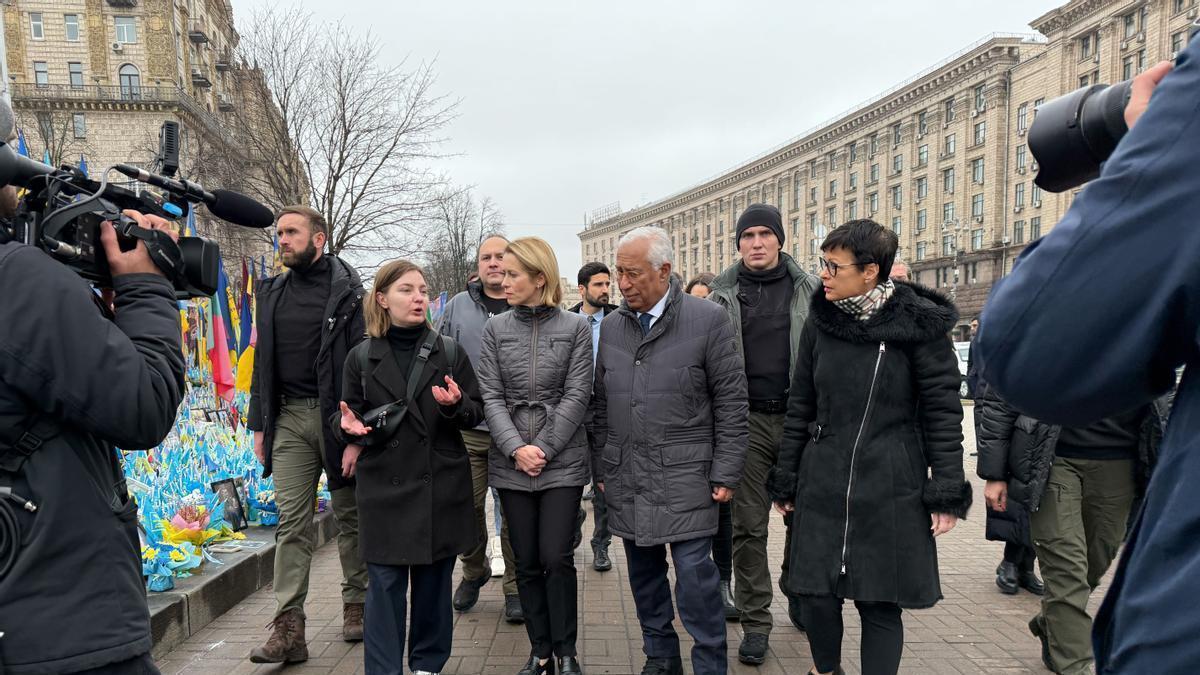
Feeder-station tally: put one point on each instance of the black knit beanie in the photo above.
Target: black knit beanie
(761, 214)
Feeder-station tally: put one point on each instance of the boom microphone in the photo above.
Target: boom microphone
(239, 209)
(227, 205)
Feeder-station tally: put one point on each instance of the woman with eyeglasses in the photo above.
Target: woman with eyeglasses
(871, 458)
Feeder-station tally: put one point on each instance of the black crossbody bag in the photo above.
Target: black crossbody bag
(388, 416)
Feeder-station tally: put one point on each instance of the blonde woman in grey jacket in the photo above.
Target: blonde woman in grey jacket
(535, 373)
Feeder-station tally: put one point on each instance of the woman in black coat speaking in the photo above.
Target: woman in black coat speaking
(416, 390)
(871, 458)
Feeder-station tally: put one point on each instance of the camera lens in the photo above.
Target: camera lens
(1074, 134)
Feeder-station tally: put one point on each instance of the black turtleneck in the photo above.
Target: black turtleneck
(766, 302)
(403, 341)
(299, 320)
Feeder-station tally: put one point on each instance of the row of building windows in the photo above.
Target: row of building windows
(128, 75)
(45, 121)
(125, 27)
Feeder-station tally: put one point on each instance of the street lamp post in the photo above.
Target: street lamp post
(957, 228)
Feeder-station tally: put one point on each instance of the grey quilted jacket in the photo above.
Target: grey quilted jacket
(670, 414)
(535, 374)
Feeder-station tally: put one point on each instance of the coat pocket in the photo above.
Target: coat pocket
(686, 471)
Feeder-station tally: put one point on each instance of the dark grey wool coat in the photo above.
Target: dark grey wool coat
(670, 416)
(872, 445)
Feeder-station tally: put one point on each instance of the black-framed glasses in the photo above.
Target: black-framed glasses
(833, 267)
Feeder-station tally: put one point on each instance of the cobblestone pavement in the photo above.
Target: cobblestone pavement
(975, 629)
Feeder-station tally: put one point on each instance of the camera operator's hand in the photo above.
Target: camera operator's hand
(138, 260)
(1143, 86)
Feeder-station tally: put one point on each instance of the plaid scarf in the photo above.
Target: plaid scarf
(863, 307)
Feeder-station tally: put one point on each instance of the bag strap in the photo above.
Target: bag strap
(451, 349)
(21, 440)
(363, 362)
(417, 369)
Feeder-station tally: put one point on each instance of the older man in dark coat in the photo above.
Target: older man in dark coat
(671, 419)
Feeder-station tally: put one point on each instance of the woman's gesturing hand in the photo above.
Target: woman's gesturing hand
(449, 395)
(351, 424)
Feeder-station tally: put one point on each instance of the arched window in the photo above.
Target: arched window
(131, 82)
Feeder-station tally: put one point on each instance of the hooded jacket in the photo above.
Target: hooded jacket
(872, 445)
(463, 320)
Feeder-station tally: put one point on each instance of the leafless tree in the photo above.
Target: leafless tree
(362, 131)
(57, 135)
(457, 226)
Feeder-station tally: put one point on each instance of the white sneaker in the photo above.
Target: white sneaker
(423, 672)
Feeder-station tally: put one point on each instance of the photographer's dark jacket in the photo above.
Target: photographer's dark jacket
(414, 482)
(341, 328)
(1067, 338)
(872, 445)
(75, 599)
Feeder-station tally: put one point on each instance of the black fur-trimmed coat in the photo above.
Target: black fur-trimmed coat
(865, 464)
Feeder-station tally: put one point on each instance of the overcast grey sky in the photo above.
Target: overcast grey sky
(570, 106)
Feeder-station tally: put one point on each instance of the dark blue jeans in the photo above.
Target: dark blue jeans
(432, 629)
(698, 592)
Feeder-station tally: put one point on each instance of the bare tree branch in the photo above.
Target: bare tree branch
(457, 226)
(361, 132)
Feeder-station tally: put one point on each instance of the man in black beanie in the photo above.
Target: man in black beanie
(767, 296)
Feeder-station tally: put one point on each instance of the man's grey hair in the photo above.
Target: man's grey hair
(8, 125)
(661, 250)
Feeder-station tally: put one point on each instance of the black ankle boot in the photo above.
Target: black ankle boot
(1006, 578)
(731, 611)
(1030, 582)
(535, 667)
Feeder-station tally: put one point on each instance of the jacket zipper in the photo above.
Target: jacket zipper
(854, 452)
(532, 386)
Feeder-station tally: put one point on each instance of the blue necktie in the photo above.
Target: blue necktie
(644, 319)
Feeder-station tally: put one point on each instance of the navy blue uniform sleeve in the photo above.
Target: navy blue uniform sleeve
(1096, 316)
(121, 380)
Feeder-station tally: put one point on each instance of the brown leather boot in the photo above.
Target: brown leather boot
(286, 644)
(352, 622)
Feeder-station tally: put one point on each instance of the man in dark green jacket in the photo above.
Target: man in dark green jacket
(767, 295)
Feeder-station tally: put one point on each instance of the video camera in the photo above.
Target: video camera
(1072, 135)
(62, 210)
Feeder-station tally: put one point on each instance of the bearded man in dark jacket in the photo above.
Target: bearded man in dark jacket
(308, 319)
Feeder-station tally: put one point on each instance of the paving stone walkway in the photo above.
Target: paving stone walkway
(975, 629)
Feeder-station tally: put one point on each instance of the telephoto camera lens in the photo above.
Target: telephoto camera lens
(1074, 134)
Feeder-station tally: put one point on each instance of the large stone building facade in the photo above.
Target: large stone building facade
(95, 79)
(941, 158)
